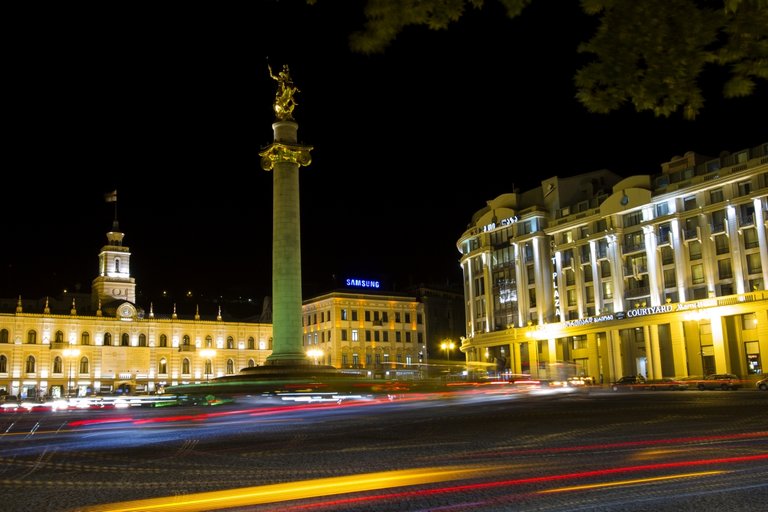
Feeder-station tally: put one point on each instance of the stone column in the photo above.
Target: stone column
(283, 157)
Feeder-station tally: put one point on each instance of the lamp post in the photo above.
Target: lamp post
(71, 354)
(447, 346)
(315, 354)
(208, 354)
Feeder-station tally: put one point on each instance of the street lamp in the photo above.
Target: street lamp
(447, 346)
(71, 354)
(315, 354)
(208, 354)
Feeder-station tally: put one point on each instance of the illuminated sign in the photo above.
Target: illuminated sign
(707, 303)
(503, 222)
(653, 310)
(589, 320)
(621, 315)
(363, 283)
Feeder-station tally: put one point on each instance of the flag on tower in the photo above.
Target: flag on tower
(111, 197)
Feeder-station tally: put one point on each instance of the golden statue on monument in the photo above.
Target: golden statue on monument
(284, 102)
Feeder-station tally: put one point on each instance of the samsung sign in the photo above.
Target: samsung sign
(362, 283)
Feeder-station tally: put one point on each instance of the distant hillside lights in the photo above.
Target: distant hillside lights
(362, 283)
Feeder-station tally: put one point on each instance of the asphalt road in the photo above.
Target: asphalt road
(480, 451)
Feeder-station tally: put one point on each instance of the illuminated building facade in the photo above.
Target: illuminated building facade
(659, 275)
(112, 344)
(382, 335)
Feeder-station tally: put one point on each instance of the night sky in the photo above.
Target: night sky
(172, 107)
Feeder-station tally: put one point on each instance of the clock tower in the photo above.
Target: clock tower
(114, 282)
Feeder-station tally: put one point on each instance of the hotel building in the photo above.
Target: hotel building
(661, 275)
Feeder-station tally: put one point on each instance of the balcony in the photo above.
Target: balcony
(718, 227)
(637, 293)
(635, 269)
(747, 220)
(187, 348)
(691, 233)
(637, 246)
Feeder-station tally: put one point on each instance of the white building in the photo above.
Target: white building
(117, 345)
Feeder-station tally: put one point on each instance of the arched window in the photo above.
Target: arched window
(3, 335)
(3, 364)
(162, 366)
(230, 366)
(230, 342)
(32, 337)
(185, 340)
(84, 365)
(251, 343)
(163, 340)
(185, 366)
(59, 337)
(124, 341)
(117, 264)
(85, 338)
(30, 368)
(208, 367)
(208, 342)
(142, 340)
(251, 363)
(107, 338)
(57, 365)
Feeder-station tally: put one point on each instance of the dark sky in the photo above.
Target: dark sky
(171, 107)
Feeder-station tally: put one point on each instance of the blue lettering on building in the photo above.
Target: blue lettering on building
(362, 283)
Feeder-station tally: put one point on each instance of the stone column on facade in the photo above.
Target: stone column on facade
(597, 279)
(533, 358)
(679, 354)
(617, 368)
(722, 361)
(649, 373)
(471, 294)
(761, 240)
(593, 355)
(551, 351)
(680, 264)
(655, 276)
(655, 355)
(762, 333)
(490, 311)
(517, 363)
(617, 273)
(708, 256)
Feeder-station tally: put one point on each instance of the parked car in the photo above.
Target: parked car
(629, 382)
(719, 381)
(762, 384)
(666, 384)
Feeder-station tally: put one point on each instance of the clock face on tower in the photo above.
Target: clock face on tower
(126, 311)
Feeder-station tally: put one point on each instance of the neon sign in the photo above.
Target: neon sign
(362, 283)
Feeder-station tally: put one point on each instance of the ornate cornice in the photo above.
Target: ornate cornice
(278, 152)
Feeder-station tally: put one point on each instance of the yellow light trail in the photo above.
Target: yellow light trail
(259, 495)
(630, 482)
